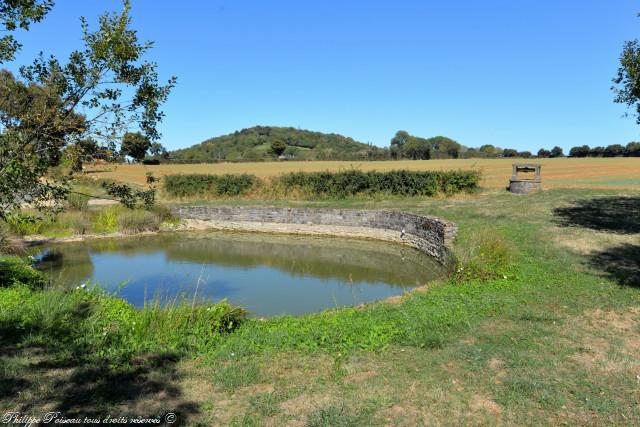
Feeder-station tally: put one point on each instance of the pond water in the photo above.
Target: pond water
(266, 274)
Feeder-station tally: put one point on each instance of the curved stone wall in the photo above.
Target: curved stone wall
(431, 235)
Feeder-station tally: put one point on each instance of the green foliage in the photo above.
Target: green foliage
(581, 151)
(97, 93)
(326, 184)
(278, 147)
(97, 326)
(404, 145)
(23, 224)
(135, 145)
(543, 153)
(627, 81)
(256, 143)
(200, 185)
(19, 15)
(106, 221)
(556, 152)
(400, 183)
(14, 271)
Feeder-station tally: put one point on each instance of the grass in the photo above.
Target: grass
(90, 220)
(550, 337)
(621, 173)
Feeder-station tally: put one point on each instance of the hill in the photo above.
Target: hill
(270, 142)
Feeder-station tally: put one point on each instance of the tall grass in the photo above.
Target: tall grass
(95, 324)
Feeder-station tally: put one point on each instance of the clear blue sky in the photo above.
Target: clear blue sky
(522, 74)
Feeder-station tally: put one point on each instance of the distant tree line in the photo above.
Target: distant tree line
(632, 149)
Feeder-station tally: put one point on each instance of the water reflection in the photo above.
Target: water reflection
(265, 273)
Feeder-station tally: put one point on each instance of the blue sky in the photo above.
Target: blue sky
(521, 74)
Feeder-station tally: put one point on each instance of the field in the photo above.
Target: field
(598, 173)
(553, 339)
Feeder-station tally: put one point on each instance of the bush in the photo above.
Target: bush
(106, 221)
(23, 224)
(15, 272)
(399, 182)
(201, 185)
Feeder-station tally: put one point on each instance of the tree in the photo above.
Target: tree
(614, 150)
(632, 149)
(21, 14)
(135, 145)
(158, 150)
(278, 147)
(397, 144)
(509, 152)
(542, 153)
(581, 151)
(626, 84)
(556, 152)
(417, 149)
(596, 152)
(489, 150)
(101, 90)
(81, 151)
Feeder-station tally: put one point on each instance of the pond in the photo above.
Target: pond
(267, 274)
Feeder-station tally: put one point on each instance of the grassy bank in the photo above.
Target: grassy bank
(88, 220)
(538, 324)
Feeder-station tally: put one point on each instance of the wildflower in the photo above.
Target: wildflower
(84, 285)
(504, 277)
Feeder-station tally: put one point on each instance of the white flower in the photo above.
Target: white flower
(504, 277)
(84, 285)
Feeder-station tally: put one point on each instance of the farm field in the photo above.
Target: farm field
(596, 173)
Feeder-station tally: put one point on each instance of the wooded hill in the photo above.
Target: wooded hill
(271, 142)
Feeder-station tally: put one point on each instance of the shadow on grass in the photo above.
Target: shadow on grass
(612, 214)
(43, 370)
(620, 263)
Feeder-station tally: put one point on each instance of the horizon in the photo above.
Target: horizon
(343, 69)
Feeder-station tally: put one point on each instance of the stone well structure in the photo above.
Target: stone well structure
(430, 235)
(524, 185)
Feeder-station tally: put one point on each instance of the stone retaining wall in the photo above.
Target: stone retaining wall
(431, 235)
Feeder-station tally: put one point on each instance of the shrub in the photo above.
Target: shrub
(14, 272)
(398, 182)
(201, 185)
(23, 224)
(106, 221)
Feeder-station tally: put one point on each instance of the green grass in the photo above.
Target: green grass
(532, 330)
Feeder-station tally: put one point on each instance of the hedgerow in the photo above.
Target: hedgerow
(200, 185)
(326, 184)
